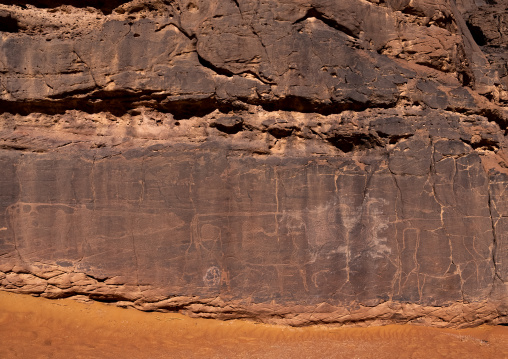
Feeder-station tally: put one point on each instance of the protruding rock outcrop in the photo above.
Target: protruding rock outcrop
(288, 161)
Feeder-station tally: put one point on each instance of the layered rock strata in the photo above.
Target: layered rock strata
(295, 162)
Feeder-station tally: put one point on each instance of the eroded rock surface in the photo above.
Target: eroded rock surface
(287, 161)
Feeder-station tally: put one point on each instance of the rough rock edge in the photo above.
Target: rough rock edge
(85, 287)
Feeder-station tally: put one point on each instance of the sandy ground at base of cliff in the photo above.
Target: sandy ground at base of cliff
(33, 327)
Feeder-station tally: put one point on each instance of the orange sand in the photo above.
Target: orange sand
(41, 328)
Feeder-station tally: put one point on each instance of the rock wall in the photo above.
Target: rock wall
(295, 162)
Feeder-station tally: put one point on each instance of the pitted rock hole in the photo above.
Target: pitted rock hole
(8, 23)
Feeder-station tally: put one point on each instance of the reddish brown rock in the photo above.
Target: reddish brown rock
(299, 162)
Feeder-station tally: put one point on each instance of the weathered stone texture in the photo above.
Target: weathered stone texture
(290, 161)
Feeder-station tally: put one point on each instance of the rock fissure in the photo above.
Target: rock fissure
(316, 14)
(494, 240)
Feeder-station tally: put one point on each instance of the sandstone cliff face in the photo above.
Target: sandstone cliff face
(288, 161)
